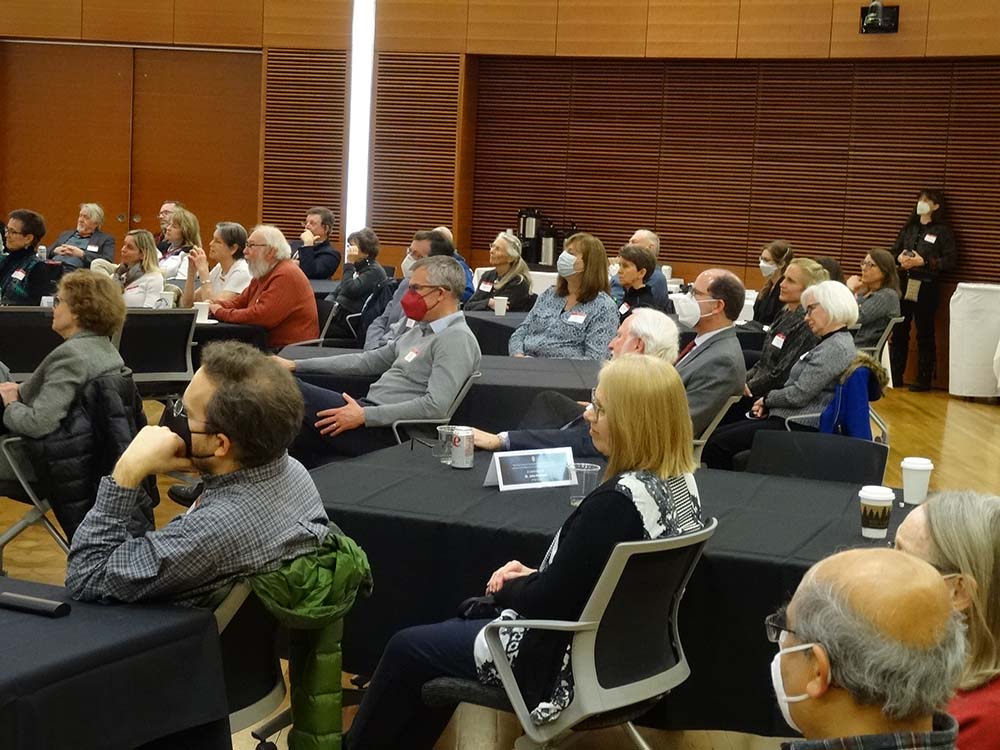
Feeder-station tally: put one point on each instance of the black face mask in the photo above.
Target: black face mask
(178, 424)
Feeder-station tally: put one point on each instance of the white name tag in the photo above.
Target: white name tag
(92, 248)
(931, 238)
(411, 355)
(624, 308)
(577, 318)
(19, 274)
(486, 286)
(410, 322)
(778, 341)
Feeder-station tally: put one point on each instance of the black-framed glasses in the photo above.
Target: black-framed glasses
(775, 624)
(598, 408)
(11, 230)
(256, 244)
(420, 287)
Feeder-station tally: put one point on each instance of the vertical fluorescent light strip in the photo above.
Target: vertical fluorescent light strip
(362, 63)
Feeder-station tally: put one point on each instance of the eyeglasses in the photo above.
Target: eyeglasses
(11, 230)
(180, 412)
(867, 264)
(420, 287)
(776, 624)
(256, 244)
(810, 309)
(598, 408)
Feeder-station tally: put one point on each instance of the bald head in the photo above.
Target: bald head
(647, 239)
(446, 232)
(899, 596)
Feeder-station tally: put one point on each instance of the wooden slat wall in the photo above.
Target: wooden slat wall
(305, 135)
(721, 157)
(414, 143)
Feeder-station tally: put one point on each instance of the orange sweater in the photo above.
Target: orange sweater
(282, 302)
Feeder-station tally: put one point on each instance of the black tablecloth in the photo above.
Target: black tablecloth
(493, 331)
(205, 333)
(434, 535)
(108, 677)
(499, 399)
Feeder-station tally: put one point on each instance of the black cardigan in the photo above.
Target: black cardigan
(767, 306)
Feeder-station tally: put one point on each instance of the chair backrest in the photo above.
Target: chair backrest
(876, 351)
(847, 414)
(636, 650)
(156, 344)
(816, 455)
(375, 305)
(26, 338)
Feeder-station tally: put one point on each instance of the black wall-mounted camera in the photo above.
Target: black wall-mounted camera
(877, 18)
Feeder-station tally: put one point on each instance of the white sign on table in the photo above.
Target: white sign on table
(522, 470)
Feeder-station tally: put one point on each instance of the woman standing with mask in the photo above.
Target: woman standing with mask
(924, 249)
(575, 319)
(774, 259)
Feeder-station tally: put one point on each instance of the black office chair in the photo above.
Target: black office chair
(26, 338)
(818, 455)
(626, 647)
(156, 345)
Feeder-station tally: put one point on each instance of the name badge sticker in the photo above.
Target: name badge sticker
(92, 248)
(19, 274)
(624, 308)
(577, 317)
(778, 341)
(486, 286)
(411, 355)
(931, 238)
(410, 322)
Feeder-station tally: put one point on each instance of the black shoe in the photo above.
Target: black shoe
(920, 387)
(185, 494)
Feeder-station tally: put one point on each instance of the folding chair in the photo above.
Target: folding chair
(448, 414)
(817, 455)
(699, 442)
(876, 351)
(626, 647)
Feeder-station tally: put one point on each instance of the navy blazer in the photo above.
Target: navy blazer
(105, 249)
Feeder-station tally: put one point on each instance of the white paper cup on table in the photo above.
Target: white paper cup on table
(586, 482)
(442, 450)
(167, 299)
(876, 507)
(202, 308)
(916, 478)
(500, 305)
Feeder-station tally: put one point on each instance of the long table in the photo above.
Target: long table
(434, 535)
(499, 399)
(109, 677)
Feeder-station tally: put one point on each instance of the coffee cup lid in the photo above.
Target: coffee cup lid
(916, 462)
(877, 492)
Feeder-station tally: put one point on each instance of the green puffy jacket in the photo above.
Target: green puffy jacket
(310, 596)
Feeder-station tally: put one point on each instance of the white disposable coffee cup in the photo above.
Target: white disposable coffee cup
(916, 478)
(500, 305)
(202, 308)
(167, 298)
(876, 507)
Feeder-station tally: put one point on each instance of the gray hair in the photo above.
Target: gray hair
(444, 272)
(649, 236)
(904, 681)
(94, 211)
(657, 331)
(836, 299)
(274, 239)
(511, 242)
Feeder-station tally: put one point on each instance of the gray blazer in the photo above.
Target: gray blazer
(711, 373)
(813, 380)
(46, 396)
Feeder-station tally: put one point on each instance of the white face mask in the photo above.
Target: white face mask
(779, 686)
(923, 208)
(565, 264)
(407, 265)
(767, 269)
(688, 309)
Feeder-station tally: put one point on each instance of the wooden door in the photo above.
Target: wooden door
(64, 132)
(196, 136)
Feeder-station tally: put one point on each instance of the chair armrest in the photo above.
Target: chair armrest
(307, 342)
(229, 606)
(399, 422)
(564, 626)
(792, 419)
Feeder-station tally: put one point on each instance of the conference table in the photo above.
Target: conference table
(498, 400)
(110, 677)
(434, 535)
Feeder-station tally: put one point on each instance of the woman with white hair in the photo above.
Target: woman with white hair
(830, 310)
(508, 278)
(959, 534)
(78, 248)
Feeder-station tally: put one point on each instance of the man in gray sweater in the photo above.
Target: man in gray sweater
(422, 372)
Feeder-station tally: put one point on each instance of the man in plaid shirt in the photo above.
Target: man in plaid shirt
(870, 652)
(259, 507)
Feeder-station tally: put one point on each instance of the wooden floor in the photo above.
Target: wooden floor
(959, 435)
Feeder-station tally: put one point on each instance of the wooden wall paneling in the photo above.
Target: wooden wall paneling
(706, 163)
(41, 19)
(972, 178)
(848, 41)
(305, 136)
(308, 24)
(465, 162)
(969, 27)
(42, 154)
(785, 28)
(692, 28)
(800, 156)
(221, 23)
(414, 140)
(896, 148)
(196, 131)
(616, 115)
(421, 25)
(522, 142)
(151, 21)
(595, 28)
(512, 27)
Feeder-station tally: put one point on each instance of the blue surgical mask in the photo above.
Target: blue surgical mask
(565, 264)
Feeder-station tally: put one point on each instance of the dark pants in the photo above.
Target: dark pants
(313, 449)
(392, 714)
(922, 313)
(735, 438)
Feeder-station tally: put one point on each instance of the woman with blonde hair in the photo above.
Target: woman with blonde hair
(576, 318)
(640, 422)
(959, 534)
(183, 233)
(139, 272)
(508, 278)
